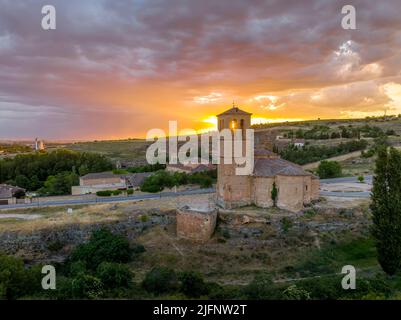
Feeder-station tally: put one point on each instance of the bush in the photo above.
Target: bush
(163, 179)
(329, 169)
(160, 280)
(361, 179)
(116, 192)
(138, 249)
(286, 224)
(322, 288)
(15, 280)
(77, 268)
(86, 287)
(114, 275)
(103, 246)
(261, 288)
(295, 293)
(105, 193)
(192, 284)
(130, 191)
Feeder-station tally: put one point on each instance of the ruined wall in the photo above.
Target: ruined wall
(196, 225)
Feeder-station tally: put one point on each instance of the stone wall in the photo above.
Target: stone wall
(196, 225)
(39, 244)
(315, 188)
(262, 191)
(290, 192)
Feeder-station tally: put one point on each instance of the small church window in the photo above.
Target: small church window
(233, 124)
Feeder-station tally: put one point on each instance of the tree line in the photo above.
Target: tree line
(310, 154)
(51, 172)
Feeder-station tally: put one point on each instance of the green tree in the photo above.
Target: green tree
(103, 246)
(261, 288)
(15, 280)
(386, 209)
(114, 275)
(60, 184)
(274, 194)
(85, 286)
(329, 169)
(22, 181)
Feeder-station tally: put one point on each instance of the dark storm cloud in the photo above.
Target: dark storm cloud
(112, 60)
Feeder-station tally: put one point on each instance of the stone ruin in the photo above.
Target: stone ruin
(196, 224)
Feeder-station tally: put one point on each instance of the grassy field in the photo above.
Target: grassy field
(129, 150)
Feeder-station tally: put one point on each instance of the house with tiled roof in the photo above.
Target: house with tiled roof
(101, 181)
(9, 194)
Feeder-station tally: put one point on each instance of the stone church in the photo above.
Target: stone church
(295, 187)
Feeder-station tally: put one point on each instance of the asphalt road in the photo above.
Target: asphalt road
(368, 179)
(108, 199)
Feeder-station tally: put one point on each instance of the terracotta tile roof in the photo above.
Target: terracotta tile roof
(99, 175)
(192, 168)
(269, 167)
(7, 191)
(136, 179)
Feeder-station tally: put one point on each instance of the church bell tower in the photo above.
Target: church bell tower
(232, 190)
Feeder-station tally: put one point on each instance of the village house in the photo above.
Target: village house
(94, 182)
(10, 194)
(295, 187)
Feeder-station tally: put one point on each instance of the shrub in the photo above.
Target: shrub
(286, 224)
(138, 249)
(55, 246)
(15, 280)
(192, 284)
(130, 191)
(322, 288)
(329, 169)
(76, 268)
(114, 275)
(103, 246)
(261, 288)
(105, 193)
(361, 179)
(86, 287)
(295, 293)
(160, 280)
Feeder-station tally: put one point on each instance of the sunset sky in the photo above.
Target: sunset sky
(116, 69)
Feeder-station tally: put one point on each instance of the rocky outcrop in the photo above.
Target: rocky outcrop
(54, 244)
